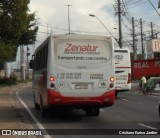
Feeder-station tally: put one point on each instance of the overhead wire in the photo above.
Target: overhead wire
(72, 30)
(138, 4)
(153, 7)
(135, 2)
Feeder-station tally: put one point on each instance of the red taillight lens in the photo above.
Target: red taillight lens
(112, 79)
(51, 78)
(129, 78)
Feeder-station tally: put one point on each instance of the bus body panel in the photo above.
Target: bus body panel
(122, 79)
(80, 71)
(122, 70)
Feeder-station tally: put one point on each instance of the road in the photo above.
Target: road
(131, 111)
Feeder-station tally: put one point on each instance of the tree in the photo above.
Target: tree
(8, 52)
(139, 56)
(17, 27)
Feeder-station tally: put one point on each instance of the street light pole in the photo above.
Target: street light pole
(69, 30)
(104, 26)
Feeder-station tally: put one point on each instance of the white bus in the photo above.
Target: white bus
(122, 70)
(75, 71)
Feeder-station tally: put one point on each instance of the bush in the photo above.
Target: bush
(8, 81)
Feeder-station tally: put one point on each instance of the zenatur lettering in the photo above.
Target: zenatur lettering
(80, 48)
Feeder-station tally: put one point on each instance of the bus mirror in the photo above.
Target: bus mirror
(31, 64)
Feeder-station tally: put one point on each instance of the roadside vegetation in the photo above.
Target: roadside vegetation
(18, 27)
(13, 80)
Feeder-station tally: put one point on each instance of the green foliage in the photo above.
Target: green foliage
(139, 56)
(17, 27)
(8, 81)
(7, 53)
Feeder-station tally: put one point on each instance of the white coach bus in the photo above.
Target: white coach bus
(75, 71)
(122, 70)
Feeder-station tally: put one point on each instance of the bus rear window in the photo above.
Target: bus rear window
(88, 51)
(122, 57)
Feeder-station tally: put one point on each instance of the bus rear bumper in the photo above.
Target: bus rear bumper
(105, 100)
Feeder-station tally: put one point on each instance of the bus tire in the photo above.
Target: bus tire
(92, 111)
(36, 105)
(43, 110)
(116, 94)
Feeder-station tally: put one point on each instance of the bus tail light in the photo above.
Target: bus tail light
(51, 78)
(112, 79)
(129, 78)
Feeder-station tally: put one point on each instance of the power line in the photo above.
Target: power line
(153, 7)
(138, 4)
(65, 29)
(135, 2)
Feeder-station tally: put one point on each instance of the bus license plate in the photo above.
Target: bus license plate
(81, 86)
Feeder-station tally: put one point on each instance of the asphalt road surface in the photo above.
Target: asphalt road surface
(131, 111)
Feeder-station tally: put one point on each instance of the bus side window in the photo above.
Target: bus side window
(32, 62)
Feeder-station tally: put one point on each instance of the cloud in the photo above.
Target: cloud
(55, 14)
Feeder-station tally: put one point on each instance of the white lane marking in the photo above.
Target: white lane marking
(146, 126)
(13, 90)
(124, 99)
(102, 110)
(40, 126)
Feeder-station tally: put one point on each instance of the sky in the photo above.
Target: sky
(54, 13)
(52, 17)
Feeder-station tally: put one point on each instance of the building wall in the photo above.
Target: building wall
(2, 73)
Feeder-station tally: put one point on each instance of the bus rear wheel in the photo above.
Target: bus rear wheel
(116, 94)
(92, 111)
(44, 111)
(36, 105)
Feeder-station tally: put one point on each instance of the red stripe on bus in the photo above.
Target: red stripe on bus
(123, 67)
(107, 99)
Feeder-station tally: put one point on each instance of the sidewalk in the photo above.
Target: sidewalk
(136, 88)
(11, 115)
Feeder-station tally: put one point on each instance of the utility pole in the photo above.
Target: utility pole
(69, 30)
(119, 20)
(23, 77)
(142, 38)
(152, 36)
(134, 46)
(119, 10)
